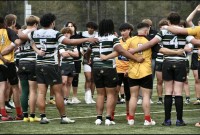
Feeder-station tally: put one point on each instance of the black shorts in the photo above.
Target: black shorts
(26, 70)
(105, 77)
(145, 82)
(199, 69)
(194, 61)
(68, 70)
(187, 63)
(48, 74)
(174, 70)
(77, 66)
(159, 65)
(122, 78)
(8, 72)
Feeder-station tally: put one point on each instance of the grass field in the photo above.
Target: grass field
(85, 115)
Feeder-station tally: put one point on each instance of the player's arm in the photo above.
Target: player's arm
(109, 56)
(176, 30)
(8, 49)
(73, 53)
(166, 51)
(145, 46)
(191, 16)
(195, 42)
(3, 59)
(39, 52)
(127, 54)
(75, 42)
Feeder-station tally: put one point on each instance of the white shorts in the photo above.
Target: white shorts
(87, 68)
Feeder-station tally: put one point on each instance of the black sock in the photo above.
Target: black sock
(42, 115)
(51, 97)
(108, 117)
(118, 98)
(33, 115)
(168, 106)
(160, 98)
(179, 107)
(198, 98)
(6, 103)
(25, 114)
(63, 116)
(122, 96)
(187, 98)
(99, 117)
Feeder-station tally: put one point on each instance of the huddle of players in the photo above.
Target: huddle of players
(105, 47)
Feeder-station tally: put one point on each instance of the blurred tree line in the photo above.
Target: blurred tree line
(83, 11)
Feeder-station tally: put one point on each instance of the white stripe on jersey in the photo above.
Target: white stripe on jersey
(86, 34)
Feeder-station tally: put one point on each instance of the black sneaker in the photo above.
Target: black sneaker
(180, 123)
(167, 123)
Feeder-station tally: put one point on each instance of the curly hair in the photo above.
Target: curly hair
(92, 25)
(106, 27)
(47, 19)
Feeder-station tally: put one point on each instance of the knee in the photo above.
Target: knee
(88, 80)
(64, 83)
(69, 83)
(159, 82)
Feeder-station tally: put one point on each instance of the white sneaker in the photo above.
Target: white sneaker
(7, 108)
(98, 122)
(75, 100)
(108, 122)
(139, 102)
(92, 101)
(12, 104)
(131, 122)
(151, 102)
(66, 120)
(122, 100)
(67, 102)
(147, 123)
(44, 120)
(88, 97)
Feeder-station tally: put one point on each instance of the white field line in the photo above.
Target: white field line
(85, 117)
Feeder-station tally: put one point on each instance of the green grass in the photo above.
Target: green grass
(85, 117)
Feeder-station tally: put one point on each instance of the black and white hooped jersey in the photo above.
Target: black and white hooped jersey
(86, 45)
(47, 40)
(172, 41)
(26, 52)
(105, 46)
(62, 48)
(160, 56)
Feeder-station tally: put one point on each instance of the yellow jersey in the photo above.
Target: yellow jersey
(139, 70)
(5, 42)
(194, 31)
(121, 61)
